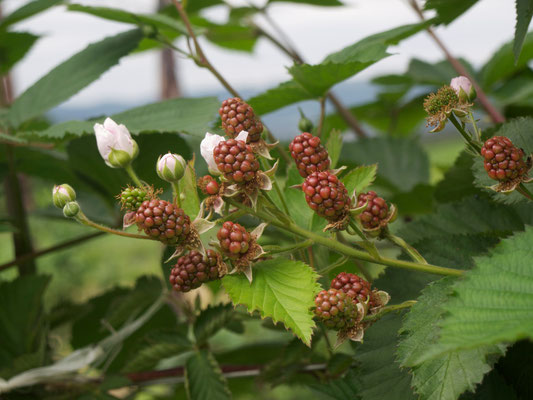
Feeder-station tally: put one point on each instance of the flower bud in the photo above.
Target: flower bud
(115, 144)
(464, 89)
(62, 194)
(171, 167)
(71, 209)
(304, 124)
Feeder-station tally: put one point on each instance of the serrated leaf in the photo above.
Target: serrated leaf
(191, 116)
(285, 93)
(448, 376)
(519, 131)
(204, 379)
(493, 303)
(211, 320)
(282, 289)
(458, 181)
(300, 211)
(72, 75)
(448, 10)
(360, 178)
(26, 11)
(334, 146)
(524, 12)
(13, 47)
(339, 389)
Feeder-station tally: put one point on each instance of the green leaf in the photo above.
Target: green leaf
(26, 11)
(191, 116)
(358, 179)
(458, 182)
(437, 74)
(323, 3)
(300, 211)
(22, 322)
(502, 65)
(524, 12)
(519, 131)
(71, 76)
(334, 146)
(284, 94)
(211, 320)
(448, 10)
(230, 36)
(13, 47)
(445, 377)
(281, 289)
(339, 389)
(204, 379)
(380, 375)
(191, 202)
(493, 303)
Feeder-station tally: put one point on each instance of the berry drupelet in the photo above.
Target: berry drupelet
(376, 213)
(502, 160)
(237, 116)
(236, 161)
(234, 239)
(335, 309)
(193, 269)
(355, 287)
(310, 156)
(163, 220)
(326, 195)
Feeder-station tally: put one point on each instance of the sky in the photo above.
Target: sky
(316, 32)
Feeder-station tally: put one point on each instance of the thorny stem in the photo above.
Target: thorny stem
(133, 176)
(494, 114)
(388, 309)
(347, 250)
(82, 218)
(524, 191)
(60, 246)
(202, 61)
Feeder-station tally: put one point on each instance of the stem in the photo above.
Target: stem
(388, 309)
(133, 176)
(466, 136)
(202, 61)
(322, 115)
(326, 339)
(39, 253)
(524, 191)
(82, 218)
(292, 247)
(266, 166)
(176, 190)
(347, 250)
(494, 114)
(413, 253)
(474, 124)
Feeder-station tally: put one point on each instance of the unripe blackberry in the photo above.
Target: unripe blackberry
(236, 160)
(376, 210)
(335, 309)
(326, 195)
(208, 185)
(355, 287)
(310, 156)
(163, 220)
(193, 269)
(238, 116)
(502, 160)
(131, 198)
(234, 239)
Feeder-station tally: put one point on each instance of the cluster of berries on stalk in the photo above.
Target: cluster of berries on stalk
(343, 306)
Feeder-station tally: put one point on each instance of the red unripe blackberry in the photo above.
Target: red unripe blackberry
(208, 185)
(238, 116)
(310, 156)
(234, 239)
(502, 160)
(376, 210)
(326, 195)
(163, 220)
(335, 309)
(193, 269)
(354, 286)
(236, 160)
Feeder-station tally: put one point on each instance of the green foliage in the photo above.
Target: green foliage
(524, 12)
(204, 379)
(14, 46)
(341, 388)
(452, 373)
(301, 213)
(26, 11)
(211, 320)
(281, 289)
(448, 10)
(358, 179)
(492, 302)
(72, 75)
(191, 202)
(334, 146)
(324, 3)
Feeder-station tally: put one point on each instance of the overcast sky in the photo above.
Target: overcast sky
(316, 31)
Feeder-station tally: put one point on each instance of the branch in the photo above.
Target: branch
(495, 115)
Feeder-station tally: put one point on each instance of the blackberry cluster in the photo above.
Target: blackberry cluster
(208, 185)
(237, 116)
(355, 287)
(376, 210)
(131, 198)
(502, 160)
(234, 239)
(193, 269)
(326, 195)
(163, 220)
(236, 160)
(310, 156)
(335, 309)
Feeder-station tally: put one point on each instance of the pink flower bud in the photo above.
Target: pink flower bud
(171, 167)
(115, 144)
(464, 88)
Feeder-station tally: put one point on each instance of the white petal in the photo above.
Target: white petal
(104, 140)
(243, 135)
(207, 146)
